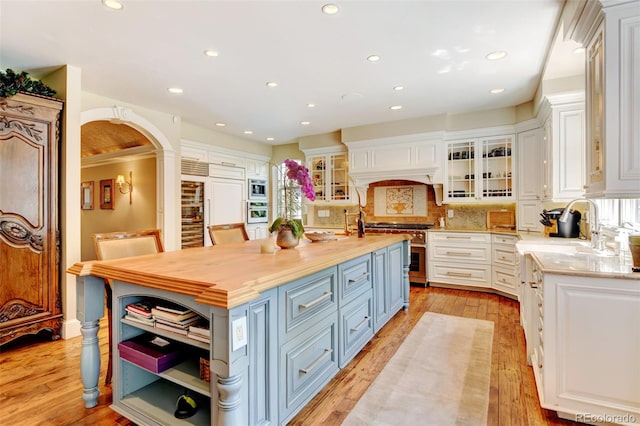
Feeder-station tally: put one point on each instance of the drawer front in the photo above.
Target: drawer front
(354, 278)
(307, 299)
(504, 255)
(505, 279)
(461, 237)
(473, 275)
(356, 327)
(307, 363)
(460, 253)
(504, 239)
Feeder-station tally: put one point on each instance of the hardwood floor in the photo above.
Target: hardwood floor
(40, 381)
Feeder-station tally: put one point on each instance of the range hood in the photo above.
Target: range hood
(422, 174)
(362, 179)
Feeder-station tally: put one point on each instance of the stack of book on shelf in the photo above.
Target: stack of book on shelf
(174, 318)
(140, 312)
(200, 331)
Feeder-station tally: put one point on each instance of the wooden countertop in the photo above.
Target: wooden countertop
(232, 274)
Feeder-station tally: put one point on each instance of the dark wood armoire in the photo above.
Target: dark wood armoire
(29, 208)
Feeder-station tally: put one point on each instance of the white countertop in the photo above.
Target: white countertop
(572, 256)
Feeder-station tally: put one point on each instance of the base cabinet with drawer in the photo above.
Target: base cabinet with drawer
(505, 264)
(462, 258)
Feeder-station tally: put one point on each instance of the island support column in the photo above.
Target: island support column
(90, 308)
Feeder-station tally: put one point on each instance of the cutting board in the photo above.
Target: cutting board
(501, 219)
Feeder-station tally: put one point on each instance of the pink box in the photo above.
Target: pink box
(145, 354)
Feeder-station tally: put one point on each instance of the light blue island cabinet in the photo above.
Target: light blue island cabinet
(281, 324)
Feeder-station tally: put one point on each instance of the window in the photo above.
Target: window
(622, 213)
(295, 207)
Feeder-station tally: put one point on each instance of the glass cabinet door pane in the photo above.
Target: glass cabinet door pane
(317, 170)
(497, 167)
(192, 207)
(461, 177)
(339, 177)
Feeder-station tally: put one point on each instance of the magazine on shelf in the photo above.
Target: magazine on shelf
(199, 337)
(200, 328)
(181, 324)
(172, 308)
(171, 328)
(172, 316)
(142, 308)
(146, 321)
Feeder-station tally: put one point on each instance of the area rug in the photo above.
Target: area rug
(439, 376)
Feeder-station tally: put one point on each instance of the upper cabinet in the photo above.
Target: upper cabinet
(611, 35)
(330, 174)
(563, 147)
(480, 169)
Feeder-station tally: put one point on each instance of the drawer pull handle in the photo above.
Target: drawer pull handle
(459, 274)
(533, 284)
(326, 295)
(457, 253)
(314, 364)
(360, 278)
(504, 258)
(362, 323)
(458, 237)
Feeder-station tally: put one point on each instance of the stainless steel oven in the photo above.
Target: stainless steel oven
(257, 189)
(418, 231)
(257, 212)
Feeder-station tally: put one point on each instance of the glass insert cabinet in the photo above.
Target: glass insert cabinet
(330, 175)
(480, 169)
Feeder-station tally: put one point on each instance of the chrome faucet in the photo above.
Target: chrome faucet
(597, 240)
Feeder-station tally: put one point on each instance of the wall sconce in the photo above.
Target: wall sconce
(121, 182)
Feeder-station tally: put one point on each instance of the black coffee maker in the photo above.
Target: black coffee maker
(568, 229)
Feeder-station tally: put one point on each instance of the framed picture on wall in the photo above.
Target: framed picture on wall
(107, 200)
(86, 195)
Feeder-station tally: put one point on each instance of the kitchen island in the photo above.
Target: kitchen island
(281, 324)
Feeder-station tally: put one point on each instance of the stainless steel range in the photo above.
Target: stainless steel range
(418, 231)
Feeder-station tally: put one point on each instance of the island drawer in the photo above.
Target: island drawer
(354, 277)
(356, 327)
(307, 363)
(307, 299)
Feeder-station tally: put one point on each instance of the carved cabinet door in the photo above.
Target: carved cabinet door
(29, 237)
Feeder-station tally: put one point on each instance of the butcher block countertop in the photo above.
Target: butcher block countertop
(232, 274)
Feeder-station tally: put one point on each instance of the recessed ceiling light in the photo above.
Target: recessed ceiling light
(578, 50)
(373, 58)
(330, 9)
(311, 105)
(494, 56)
(175, 90)
(272, 84)
(248, 132)
(270, 139)
(496, 91)
(398, 88)
(305, 123)
(395, 107)
(220, 124)
(113, 4)
(210, 53)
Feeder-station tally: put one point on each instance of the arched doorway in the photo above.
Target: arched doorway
(165, 167)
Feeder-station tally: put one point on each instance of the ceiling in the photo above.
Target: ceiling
(434, 49)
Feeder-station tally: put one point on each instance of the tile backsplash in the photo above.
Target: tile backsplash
(465, 216)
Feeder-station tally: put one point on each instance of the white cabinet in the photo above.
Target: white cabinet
(480, 169)
(530, 179)
(330, 174)
(505, 264)
(228, 201)
(564, 147)
(460, 258)
(257, 168)
(612, 99)
(258, 232)
(586, 356)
